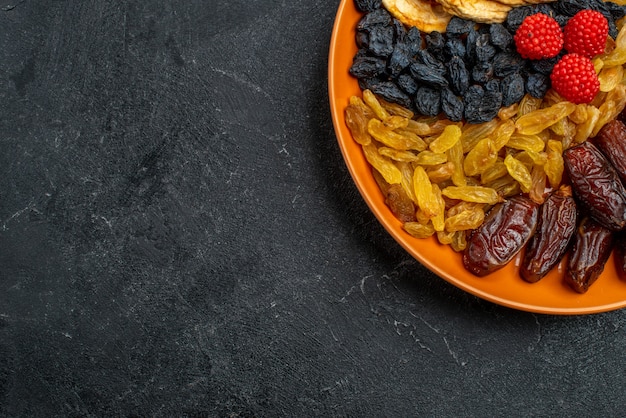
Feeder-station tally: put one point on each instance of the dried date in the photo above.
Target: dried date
(611, 141)
(555, 228)
(596, 185)
(592, 247)
(507, 228)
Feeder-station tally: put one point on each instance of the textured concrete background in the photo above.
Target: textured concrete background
(179, 236)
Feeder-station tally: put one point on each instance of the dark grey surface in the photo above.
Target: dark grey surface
(179, 236)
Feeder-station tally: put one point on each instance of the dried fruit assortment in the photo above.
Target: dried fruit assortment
(476, 146)
(469, 71)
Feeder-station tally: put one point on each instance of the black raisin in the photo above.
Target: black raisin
(413, 38)
(454, 46)
(390, 92)
(472, 99)
(428, 101)
(362, 40)
(561, 20)
(362, 52)
(378, 17)
(365, 82)
(545, 8)
(367, 5)
(516, 16)
(492, 86)
(365, 66)
(616, 10)
(400, 59)
(376, 30)
(435, 43)
(470, 45)
(484, 50)
(451, 105)
(500, 36)
(424, 57)
(399, 29)
(543, 66)
(613, 31)
(483, 29)
(505, 63)
(427, 75)
(458, 26)
(512, 87)
(480, 105)
(381, 40)
(537, 84)
(458, 75)
(407, 84)
(482, 72)
(492, 102)
(571, 7)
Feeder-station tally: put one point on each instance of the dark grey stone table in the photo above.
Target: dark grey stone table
(179, 236)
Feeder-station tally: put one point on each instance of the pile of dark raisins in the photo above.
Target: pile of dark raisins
(469, 72)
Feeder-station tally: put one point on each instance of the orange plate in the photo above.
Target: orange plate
(550, 295)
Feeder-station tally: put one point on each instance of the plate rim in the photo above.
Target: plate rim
(390, 225)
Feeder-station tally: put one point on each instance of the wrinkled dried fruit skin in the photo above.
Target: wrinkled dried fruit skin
(506, 229)
(519, 172)
(555, 228)
(554, 165)
(419, 230)
(356, 119)
(368, 5)
(611, 140)
(596, 185)
(400, 203)
(592, 246)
